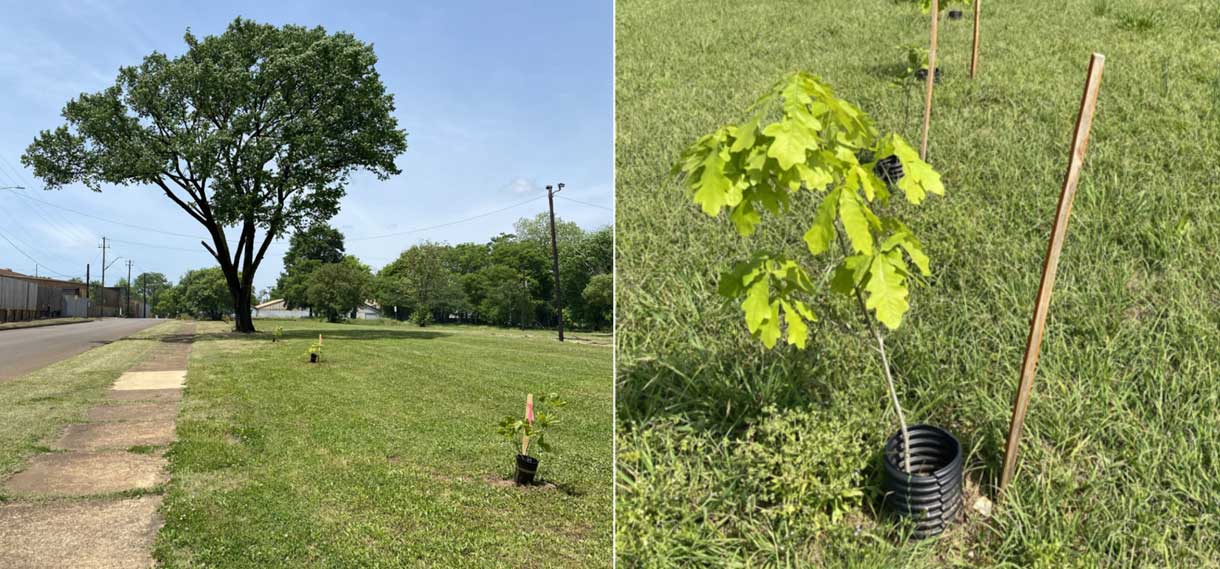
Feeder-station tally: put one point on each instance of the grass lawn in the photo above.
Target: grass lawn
(385, 454)
(1122, 441)
(37, 405)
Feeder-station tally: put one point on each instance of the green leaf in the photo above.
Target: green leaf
(791, 140)
(855, 222)
(757, 305)
(850, 273)
(745, 218)
(887, 290)
(713, 186)
(822, 232)
(798, 332)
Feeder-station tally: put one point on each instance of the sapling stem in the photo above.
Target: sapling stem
(885, 364)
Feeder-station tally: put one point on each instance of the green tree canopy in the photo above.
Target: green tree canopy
(203, 293)
(307, 250)
(420, 283)
(336, 289)
(258, 128)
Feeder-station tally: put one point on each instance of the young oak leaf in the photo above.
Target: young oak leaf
(713, 187)
(791, 140)
(919, 178)
(794, 317)
(745, 218)
(855, 222)
(822, 231)
(887, 289)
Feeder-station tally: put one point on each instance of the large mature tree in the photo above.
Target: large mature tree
(336, 289)
(256, 129)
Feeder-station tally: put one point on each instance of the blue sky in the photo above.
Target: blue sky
(498, 99)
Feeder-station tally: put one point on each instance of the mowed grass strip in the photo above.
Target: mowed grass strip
(385, 454)
(37, 405)
(1122, 441)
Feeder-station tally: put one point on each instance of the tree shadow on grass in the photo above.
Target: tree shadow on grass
(327, 333)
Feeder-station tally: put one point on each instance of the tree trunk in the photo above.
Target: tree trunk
(242, 317)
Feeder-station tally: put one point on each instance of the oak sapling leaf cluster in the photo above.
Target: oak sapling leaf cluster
(529, 437)
(800, 137)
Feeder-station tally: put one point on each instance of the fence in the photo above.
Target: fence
(22, 299)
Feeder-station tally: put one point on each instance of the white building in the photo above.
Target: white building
(277, 309)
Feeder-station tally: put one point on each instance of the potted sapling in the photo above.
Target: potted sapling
(277, 334)
(528, 435)
(801, 142)
(917, 64)
(315, 352)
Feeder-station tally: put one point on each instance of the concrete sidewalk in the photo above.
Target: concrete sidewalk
(69, 511)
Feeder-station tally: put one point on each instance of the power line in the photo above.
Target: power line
(89, 215)
(32, 260)
(447, 224)
(584, 203)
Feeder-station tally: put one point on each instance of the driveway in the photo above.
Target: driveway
(23, 350)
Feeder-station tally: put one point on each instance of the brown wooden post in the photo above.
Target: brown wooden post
(974, 54)
(927, 97)
(1033, 344)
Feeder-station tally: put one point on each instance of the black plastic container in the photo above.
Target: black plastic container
(527, 467)
(931, 494)
(313, 358)
(889, 169)
(955, 14)
(921, 74)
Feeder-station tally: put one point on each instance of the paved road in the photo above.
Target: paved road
(23, 350)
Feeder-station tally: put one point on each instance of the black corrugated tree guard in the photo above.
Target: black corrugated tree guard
(257, 129)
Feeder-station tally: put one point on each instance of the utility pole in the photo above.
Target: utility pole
(101, 313)
(144, 312)
(550, 198)
(86, 287)
(127, 307)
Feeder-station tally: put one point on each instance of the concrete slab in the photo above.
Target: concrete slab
(94, 534)
(163, 361)
(101, 436)
(145, 395)
(134, 412)
(150, 380)
(87, 474)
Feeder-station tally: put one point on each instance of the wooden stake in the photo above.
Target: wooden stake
(927, 98)
(1080, 141)
(529, 418)
(974, 55)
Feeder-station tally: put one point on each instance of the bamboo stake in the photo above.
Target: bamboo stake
(974, 55)
(927, 99)
(1033, 345)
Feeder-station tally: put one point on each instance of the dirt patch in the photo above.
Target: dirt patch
(145, 395)
(101, 535)
(87, 473)
(537, 486)
(134, 412)
(100, 436)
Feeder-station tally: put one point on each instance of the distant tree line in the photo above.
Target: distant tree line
(507, 281)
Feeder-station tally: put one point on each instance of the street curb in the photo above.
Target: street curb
(3, 330)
